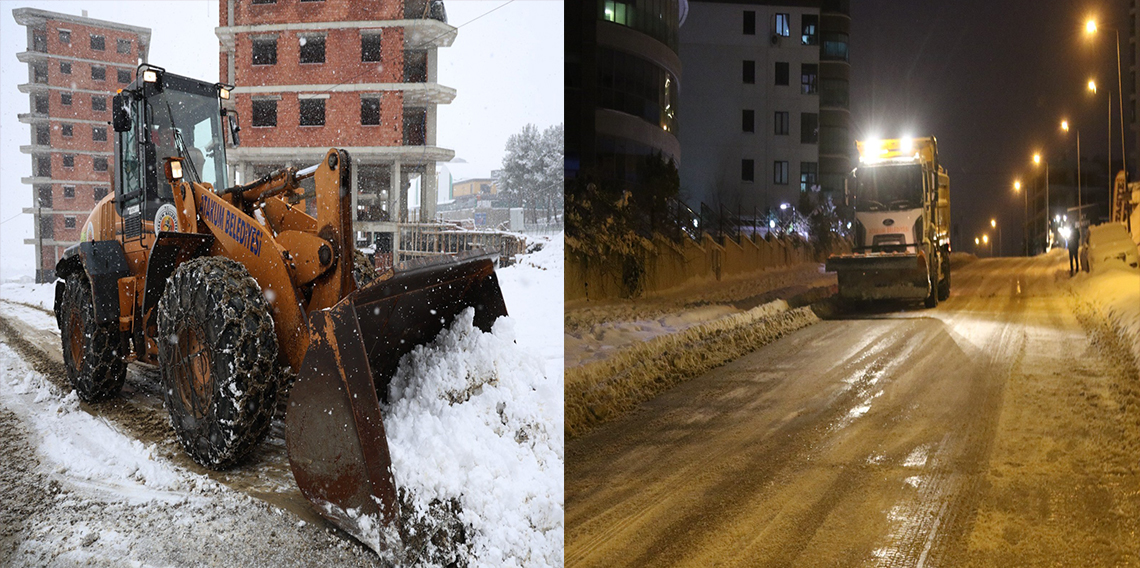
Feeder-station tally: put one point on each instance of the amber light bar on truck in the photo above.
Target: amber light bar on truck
(904, 149)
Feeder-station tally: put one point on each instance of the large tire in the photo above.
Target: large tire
(218, 352)
(363, 272)
(944, 284)
(931, 300)
(93, 354)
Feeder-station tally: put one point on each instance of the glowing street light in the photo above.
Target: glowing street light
(1065, 125)
(1017, 186)
(1025, 214)
(1092, 85)
(993, 224)
(1090, 26)
(1037, 159)
(1092, 29)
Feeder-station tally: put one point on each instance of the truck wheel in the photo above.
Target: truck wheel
(362, 269)
(932, 297)
(93, 354)
(218, 352)
(944, 285)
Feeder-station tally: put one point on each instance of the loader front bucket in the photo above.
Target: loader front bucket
(334, 431)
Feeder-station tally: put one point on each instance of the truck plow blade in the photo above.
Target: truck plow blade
(334, 431)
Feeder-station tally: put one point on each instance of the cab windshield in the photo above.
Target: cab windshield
(189, 126)
(888, 187)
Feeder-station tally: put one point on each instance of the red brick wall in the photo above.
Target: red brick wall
(342, 123)
(342, 60)
(288, 11)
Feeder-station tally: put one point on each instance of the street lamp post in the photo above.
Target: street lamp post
(1065, 127)
(1037, 159)
(1024, 216)
(1001, 247)
(1091, 28)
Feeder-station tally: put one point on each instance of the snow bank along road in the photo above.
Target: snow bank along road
(999, 429)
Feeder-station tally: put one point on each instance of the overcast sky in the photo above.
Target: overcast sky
(505, 65)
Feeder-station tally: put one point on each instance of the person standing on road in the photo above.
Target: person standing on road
(1074, 248)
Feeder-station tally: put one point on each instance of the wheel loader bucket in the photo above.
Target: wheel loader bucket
(334, 431)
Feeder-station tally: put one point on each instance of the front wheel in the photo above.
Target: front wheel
(218, 352)
(94, 354)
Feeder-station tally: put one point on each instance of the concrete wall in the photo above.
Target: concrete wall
(669, 264)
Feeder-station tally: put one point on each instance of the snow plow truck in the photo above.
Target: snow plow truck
(240, 298)
(901, 250)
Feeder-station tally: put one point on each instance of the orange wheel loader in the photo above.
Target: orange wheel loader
(234, 291)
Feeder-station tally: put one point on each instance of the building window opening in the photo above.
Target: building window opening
(100, 193)
(749, 72)
(98, 43)
(810, 33)
(124, 76)
(65, 67)
(43, 136)
(68, 162)
(782, 117)
(747, 170)
(782, 25)
(99, 164)
(809, 128)
(749, 22)
(312, 49)
(123, 46)
(783, 73)
(43, 196)
(370, 111)
(264, 112)
(65, 37)
(65, 129)
(99, 134)
(41, 104)
(415, 66)
(69, 191)
(370, 47)
(748, 120)
(99, 103)
(834, 46)
(39, 42)
(43, 167)
(809, 73)
(65, 99)
(265, 51)
(415, 126)
(780, 172)
(98, 73)
(312, 112)
(809, 176)
(39, 74)
(69, 221)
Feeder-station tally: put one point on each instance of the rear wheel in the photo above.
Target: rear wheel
(931, 300)
(94, 354)
(218, 352)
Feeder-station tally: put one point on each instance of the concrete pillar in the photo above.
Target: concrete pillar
(429, 193)
(355, 186)
(429, 125)
(432, 65)
(395, 195)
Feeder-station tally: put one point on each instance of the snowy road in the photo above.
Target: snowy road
(998, 429)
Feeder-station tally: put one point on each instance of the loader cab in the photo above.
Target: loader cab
(161, 115)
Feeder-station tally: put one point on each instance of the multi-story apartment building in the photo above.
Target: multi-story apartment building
(75, 65)
(353, 74)
(623, 78)
(765, 102)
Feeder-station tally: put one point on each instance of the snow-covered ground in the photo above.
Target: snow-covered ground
(1112, 287)
(474, 419)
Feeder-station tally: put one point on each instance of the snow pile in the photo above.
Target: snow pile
(83, 450)
(473, 418)
(604, 339)
(1112, 288)
(534, 291)
(1110, 246)
(38, 295)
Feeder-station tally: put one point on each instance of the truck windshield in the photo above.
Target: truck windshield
(888, 187)
(198, 138)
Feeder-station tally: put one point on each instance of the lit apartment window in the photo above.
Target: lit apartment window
(264, 112)
(810, 26)
(99, 164)
(65, 129)
(312, 112)
(99, 134)
(782, 25)
(370, 46)
(809, 73)
(265, 51)
(749, 22)
(69, 191)
(747, 170)
(781, 123)
(98, 73)
(124, 76)
(809, 176)
(783, 73)
(100, 193)
(780, 172)
(749, 72)
(65, 67)
(99, 103)
(748, 120)
(369, 111)
(809, 128)
(68, 162)
(123, 46)
(69, 221)
(312, 49)
(65, 37)
(65, 98)
(98, 43)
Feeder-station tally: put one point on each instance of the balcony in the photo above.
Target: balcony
(420, 94)
(35, 149)
(33, 117)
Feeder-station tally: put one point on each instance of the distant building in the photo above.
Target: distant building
(477, 186)
(353, 74)
(765, 102)
(623, 79)
(75, 65)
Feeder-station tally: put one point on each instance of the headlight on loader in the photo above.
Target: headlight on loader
(174, 169)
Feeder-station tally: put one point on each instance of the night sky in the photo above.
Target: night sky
(991, 79)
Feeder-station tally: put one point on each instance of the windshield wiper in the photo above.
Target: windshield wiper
(179, 143)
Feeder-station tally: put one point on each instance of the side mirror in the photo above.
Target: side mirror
(232, 120)
(121, 113)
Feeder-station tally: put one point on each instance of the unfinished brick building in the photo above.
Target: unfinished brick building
(75, 65)
(358, 75)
